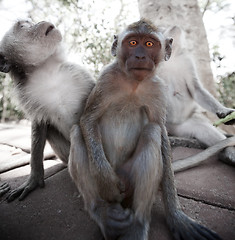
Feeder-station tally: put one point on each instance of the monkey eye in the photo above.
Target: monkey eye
(149, 44)
(25, 24)
(133, 43)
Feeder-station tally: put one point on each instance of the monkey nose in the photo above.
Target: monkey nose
(50, 28)
(140, 57)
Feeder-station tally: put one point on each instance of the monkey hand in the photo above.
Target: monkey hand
(222, 113)
(109, 187)
(185, 228)
(126, 186)
(227, 119)
(33, 182)
(117, 221)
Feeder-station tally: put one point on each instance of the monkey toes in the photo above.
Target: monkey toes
(184, 228)
(4, 188)
(25, 189)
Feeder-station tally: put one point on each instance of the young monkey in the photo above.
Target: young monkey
(120, 154)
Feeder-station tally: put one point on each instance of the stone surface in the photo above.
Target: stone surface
(57, 212)
(212, 182)
(12, 157)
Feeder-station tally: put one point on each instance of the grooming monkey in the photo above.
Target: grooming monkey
(185, 94)
(120, 152)
(51, 91)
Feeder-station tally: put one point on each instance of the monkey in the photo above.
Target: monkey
(120, 152)
(51, 91)
(185, 93)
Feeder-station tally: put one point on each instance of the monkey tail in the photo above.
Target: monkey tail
(195, 160)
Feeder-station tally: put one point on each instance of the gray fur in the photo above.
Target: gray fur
(51, 91)
(186, 98)
(120, 153)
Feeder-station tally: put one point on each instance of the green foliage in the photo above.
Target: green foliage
(225, 83)
(8, 109)
(226, 89)
(216, 56)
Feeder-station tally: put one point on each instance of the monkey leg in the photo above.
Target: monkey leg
(36, 178)
(200, 128)
(146, 174)
(59, 143)
(228, 155)
(181, 226)
(112, 219)
(197, 127)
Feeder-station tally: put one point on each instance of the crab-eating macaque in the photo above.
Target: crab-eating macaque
(186, 96)
(120, 152)
(51, 91)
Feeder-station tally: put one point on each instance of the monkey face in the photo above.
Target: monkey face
(140, 48)
(141, 54)
(30, 44)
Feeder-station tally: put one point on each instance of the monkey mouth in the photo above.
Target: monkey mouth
(140, 69)
(49, 29)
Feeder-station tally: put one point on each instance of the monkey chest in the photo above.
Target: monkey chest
(51, 101)
(120, 129)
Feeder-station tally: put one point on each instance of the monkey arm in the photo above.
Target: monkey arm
(207, 101)
(202, 96)
(39, 132)
(90, 130)
(106, 179)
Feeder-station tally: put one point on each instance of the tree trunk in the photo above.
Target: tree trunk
(185, 14)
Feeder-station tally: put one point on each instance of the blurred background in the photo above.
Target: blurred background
(88, 27)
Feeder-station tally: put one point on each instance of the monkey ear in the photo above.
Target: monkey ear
(168, 48)
(114, 46)
(5, 66)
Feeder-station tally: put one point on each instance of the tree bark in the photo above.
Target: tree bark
(185, 14)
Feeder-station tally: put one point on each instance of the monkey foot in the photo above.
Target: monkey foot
(184, 228)
(4, 188)
(25, 189)
(116, 221)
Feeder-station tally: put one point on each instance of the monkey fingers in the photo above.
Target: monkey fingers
(109, 188)
(4, 188)
(117, 221)
(184, 228)
(26, 188)
(224, 112)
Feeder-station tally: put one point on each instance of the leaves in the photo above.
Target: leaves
(226, 90)
(227, 119)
